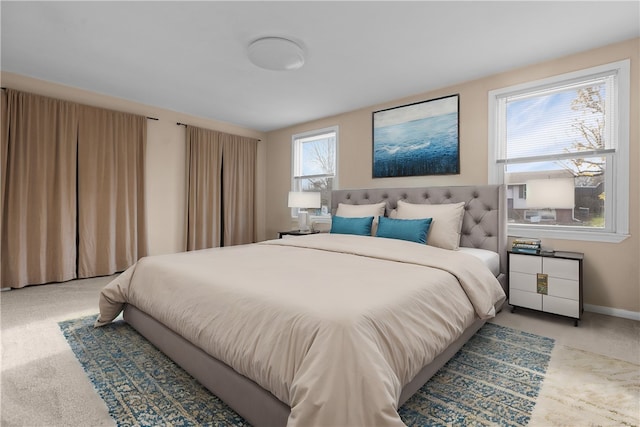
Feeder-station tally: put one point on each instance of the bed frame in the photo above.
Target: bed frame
(484, 226)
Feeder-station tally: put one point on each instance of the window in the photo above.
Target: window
(314, 166)
(561, 145)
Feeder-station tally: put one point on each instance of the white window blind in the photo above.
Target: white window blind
(551, 122)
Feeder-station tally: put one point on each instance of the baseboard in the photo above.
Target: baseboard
(617, 312)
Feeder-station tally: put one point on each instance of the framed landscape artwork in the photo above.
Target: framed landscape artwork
(417, 139)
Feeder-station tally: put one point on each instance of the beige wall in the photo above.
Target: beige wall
(166, 167)
(611, 270)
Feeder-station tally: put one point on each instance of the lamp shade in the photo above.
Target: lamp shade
(304, 199)
(554, 193)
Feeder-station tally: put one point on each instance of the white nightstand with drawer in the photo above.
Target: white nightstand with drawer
(547, 282)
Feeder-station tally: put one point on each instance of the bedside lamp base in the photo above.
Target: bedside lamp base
(303, 218)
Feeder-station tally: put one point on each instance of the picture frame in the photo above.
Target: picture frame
(417, 139)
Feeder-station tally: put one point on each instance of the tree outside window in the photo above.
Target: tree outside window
(314, 165)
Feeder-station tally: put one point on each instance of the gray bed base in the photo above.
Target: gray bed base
(484, 226)
(256, 405)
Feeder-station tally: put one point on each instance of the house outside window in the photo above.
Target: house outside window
(314, 166)
(561, 146)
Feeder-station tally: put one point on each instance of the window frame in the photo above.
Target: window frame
(616, 180)
(294, 158)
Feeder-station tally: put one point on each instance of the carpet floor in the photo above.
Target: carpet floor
(495, 379)
(582, 388)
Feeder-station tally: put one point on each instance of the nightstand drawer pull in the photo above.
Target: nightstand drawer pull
(542, 283)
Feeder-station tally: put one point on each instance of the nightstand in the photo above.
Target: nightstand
(281, 234)
(548, 282)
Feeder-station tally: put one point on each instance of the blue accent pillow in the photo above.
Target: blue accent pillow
(344, 225)
(413, 230)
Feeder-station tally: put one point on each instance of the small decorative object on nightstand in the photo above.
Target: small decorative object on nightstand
(282, 234)
(549, 281)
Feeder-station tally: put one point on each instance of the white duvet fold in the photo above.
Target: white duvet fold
(333, 325)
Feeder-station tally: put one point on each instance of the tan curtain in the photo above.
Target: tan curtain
(204, 165)
(38, 190)
(238, 189)
(221, 187)
(111, 206)
(4, 147)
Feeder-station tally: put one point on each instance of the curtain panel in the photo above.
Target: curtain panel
(39, 190)
(204, 166)
(221, 189)
(4, 147)
(111, 206)
(238, 190)
(72, 190)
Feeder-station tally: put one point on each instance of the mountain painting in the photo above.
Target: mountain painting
(417, 139)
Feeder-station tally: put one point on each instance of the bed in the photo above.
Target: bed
(326, 329)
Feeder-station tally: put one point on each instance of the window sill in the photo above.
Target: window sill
(563, 234)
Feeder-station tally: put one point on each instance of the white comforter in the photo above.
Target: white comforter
(333, 325)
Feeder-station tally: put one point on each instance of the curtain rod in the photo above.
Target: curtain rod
(150, 118)
(185, 125)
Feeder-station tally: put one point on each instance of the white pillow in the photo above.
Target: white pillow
(358, 211)
(446, 223)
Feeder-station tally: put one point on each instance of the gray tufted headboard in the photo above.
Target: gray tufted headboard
(484, 224)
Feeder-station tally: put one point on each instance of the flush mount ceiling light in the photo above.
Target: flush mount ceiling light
(276, 53)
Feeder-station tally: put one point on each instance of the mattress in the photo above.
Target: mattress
(332, 325)
(489, 258)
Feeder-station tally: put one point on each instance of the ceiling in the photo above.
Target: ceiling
(191, 57)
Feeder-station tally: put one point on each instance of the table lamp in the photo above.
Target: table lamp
(555, 193)
(304, 200)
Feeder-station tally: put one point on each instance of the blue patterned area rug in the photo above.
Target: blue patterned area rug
(493, 380)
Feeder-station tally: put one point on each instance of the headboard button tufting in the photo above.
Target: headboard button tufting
(479, 201)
